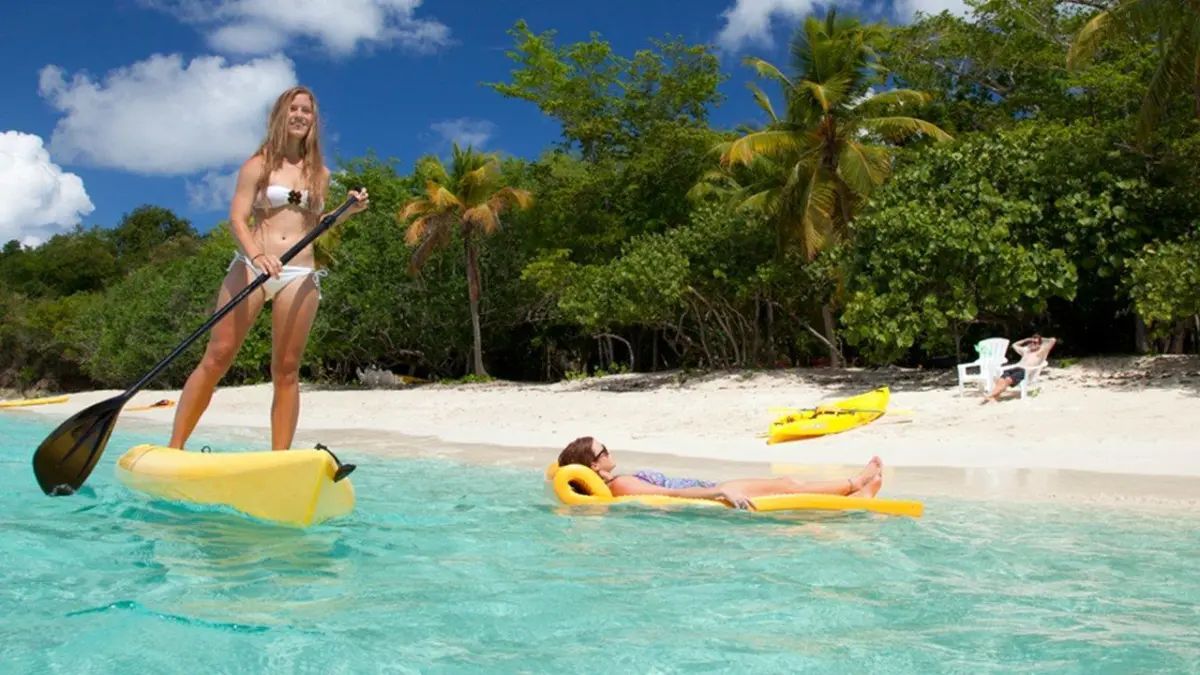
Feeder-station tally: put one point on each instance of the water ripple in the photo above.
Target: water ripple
(446, 567)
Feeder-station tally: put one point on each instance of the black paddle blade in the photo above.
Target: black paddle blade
(65, 459)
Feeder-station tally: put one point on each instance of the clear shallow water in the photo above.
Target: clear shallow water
(446, 567)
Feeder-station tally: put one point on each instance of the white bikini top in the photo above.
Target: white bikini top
(281, 195)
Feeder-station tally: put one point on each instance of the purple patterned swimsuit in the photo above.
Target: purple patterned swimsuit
(656, 478)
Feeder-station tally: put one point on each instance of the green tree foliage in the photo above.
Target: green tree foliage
(635, 136)
(122, 333)
(703, 288)
(1164, 279)
(373, 313)
(468, 200)
(1174, 25)
(40, 340)
(1006, 63)
(825, 161)
(79, 261)
(991, 230)
(151, 233)
(607, 103)
(1046, 211)
(811, 169)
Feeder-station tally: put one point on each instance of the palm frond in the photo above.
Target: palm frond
(418, 229)
(476, 182)
(1180, 65)
(481, 217)
(819, 214)
(441, 198)
(764, 201)
(765, 69)
(436, 234)
(432, 170)
(901, 128)
(863, 167)
(1098, 30)
(802, 214)
(771, 142)
(509, 197)
(896, 98)
(415, 207)
(825, 94)
(763, 101)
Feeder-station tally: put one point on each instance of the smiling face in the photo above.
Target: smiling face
(300, 116)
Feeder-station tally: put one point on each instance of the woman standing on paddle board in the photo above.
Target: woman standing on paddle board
(279, 197)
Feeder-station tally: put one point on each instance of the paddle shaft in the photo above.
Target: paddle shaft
(326, 223)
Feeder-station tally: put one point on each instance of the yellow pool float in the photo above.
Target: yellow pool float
(579, 485)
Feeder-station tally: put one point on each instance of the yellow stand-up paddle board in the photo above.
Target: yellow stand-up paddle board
(292, 487)
(23, 402)
(830, 418)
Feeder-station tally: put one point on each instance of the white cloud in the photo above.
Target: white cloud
(465, 131)
(212, 191)
(36, 198)
(160, 116)
(749, 21)
(340, 26)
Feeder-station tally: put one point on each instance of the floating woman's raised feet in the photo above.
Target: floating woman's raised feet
(869, 481)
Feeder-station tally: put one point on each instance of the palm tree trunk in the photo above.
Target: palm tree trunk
(473, 291)
(835, 356)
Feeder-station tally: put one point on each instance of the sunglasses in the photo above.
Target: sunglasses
(603, 453)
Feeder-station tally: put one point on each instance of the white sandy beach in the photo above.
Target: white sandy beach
(1101, 426)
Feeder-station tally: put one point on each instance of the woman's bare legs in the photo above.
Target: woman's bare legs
(223, 345)
(866, 483)
(292, 314)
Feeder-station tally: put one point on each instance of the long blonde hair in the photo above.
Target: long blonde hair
(275, 146)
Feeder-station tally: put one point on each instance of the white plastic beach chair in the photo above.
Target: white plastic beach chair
(1029, 383)
(992, 352)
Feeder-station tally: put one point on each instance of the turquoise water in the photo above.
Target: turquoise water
(449, 568)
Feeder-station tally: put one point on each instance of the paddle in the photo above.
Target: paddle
(65, 459)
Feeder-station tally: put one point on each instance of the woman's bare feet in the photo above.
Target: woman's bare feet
(872, 486)
(871, 473)
(871, 489)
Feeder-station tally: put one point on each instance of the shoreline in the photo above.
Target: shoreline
(1119, 435)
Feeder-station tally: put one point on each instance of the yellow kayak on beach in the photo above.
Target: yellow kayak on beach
(291, 487)
(830, 418)
(23, 402)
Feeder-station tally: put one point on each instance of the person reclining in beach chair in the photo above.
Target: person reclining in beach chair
(590, 452)
(1034, 351)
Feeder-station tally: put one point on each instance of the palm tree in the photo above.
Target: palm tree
(811, 169)
(469, 197)
(1176, 23)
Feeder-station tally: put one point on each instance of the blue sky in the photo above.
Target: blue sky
(112, 104)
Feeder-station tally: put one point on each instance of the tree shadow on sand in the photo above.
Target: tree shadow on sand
(1110, 372)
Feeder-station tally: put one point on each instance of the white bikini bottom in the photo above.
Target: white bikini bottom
(287, 275)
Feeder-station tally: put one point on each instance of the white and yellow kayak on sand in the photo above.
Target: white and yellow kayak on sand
(23, 402)
(578, 485)
(292, 487)
(830, 418)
